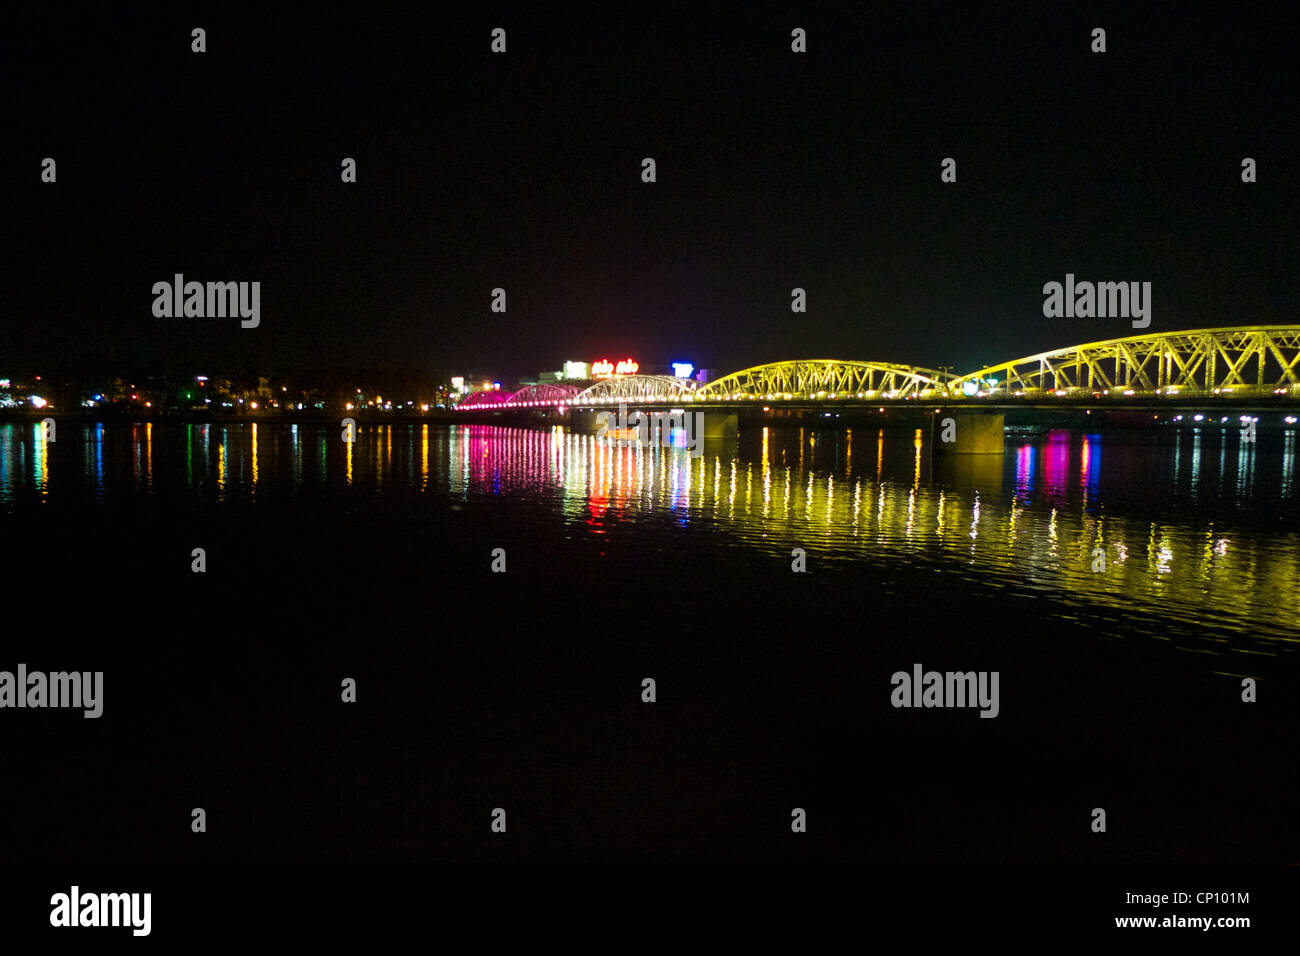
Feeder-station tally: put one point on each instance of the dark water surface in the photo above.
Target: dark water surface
(1119, 688)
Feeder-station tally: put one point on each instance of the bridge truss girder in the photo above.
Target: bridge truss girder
(814, 379)
(640, 388)
(483, 400)
(1254, 359)
(544, 394)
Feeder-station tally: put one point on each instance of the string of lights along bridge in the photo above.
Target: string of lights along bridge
(1251, 362)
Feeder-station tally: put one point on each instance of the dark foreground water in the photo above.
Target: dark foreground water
(1122, 585)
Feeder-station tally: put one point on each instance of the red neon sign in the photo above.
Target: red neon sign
(604, 368)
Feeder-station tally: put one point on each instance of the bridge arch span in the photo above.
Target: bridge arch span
(810, 379)
(545, 395)
(1255, 360)
(483, 400)
(540, 396)
(640, 388)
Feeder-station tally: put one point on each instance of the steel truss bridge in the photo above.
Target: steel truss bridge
(1246, 362)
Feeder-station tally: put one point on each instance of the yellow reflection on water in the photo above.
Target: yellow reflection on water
(916, 471)
(1207, 554)
(1033, 543)
(40, 460)
(221, 465)
(766, 455)
(424, 458)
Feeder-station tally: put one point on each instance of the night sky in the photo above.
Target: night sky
(775, 170)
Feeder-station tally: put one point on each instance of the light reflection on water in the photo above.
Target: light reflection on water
(1196, 529)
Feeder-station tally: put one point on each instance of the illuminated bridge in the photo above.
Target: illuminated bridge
(1249, 362)
(1245, 367)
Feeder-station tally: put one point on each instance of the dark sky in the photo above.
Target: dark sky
(522, 171)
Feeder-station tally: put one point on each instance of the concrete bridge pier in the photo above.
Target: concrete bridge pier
(721, 424)
(967, 432)
(584, 420)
